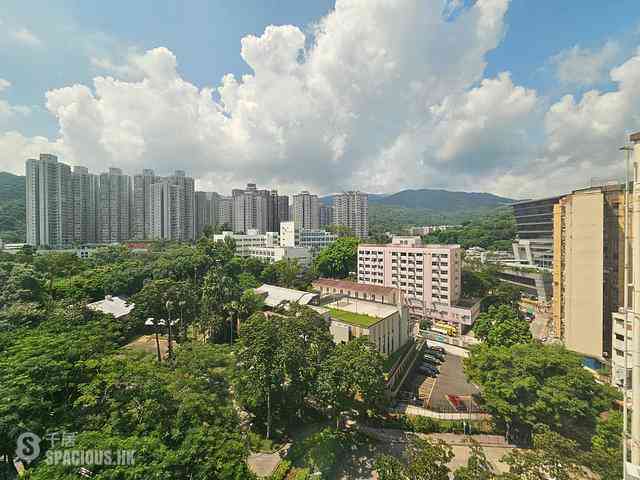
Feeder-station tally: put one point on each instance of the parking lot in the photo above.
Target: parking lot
(438, 393)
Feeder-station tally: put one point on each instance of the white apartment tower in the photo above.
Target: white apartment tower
(167, 223)
(172, 204)
(351, 210)
(49, 202)
(186, 187)
(225, 211)
(85, 189)
(306, 211)
(142, 204)
(114, 211)
(207, 207)
(252, 209)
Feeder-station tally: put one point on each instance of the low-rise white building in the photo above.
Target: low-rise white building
(116, 306)
(274, 254)
(313, 239)
(251, 240)
(386, 326)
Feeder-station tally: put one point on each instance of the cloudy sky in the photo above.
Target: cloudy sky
(518, 98)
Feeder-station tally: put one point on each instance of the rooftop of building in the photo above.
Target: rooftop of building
(466, 302)
(536, 200)
(428, 246)
(348, 285)
(361, 313)
(116, 306)
(275, 295)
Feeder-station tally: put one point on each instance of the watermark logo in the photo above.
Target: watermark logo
(28, 447)
(62, 451)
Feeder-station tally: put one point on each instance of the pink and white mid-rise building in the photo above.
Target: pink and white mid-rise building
(429, 276)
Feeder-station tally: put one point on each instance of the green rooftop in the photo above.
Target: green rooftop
(357, 319)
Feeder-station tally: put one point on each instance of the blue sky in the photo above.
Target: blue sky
(50, 45)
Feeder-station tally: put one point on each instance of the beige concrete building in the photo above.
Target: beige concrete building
(588, 268)
(386, 326)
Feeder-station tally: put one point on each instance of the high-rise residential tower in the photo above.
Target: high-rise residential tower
(326, 215)
(283, 210)
(225, 212)
(253, 209)
(142, 204)
(114, 210)
(351, 210)
(306, 211)
(49, 202)
(588, 268)
(173, 209)
(85, 188)
(207, 210)
(186, 186)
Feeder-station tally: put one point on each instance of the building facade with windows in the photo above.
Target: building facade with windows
(85, 188)
(114, 211)
(306, 211)
(429, 277)
(351, 210)
(49, 209)
(247, 241)
(534, 227)
(588, 268)
(314, 240)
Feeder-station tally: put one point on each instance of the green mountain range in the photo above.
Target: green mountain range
(12, 208)
(386, 211)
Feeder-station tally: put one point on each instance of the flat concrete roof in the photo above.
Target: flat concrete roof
(425, 246)
(275, 295)
(354, 305)
(116, 306)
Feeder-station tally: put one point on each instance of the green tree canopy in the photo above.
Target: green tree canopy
(529, 384)
(502, 326)
(338, 259)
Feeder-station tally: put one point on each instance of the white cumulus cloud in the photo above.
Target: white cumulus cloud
(322, 112)
(379, 96)
(582, 66)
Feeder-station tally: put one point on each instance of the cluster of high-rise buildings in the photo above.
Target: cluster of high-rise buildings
(68, 206)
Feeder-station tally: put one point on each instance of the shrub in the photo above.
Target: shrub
(280, 473)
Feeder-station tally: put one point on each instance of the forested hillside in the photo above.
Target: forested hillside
(12, 207)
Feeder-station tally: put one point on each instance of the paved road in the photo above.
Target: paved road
(451, 381)
(538, 326)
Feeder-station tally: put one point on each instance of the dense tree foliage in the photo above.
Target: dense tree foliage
(495, 231)
(339, 259)
(501, 325)
(351, 378)
(529, 384)
(425, 460)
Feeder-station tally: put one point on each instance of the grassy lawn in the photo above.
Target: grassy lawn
(357, 319)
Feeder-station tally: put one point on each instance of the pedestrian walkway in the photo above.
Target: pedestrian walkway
(423, 412)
